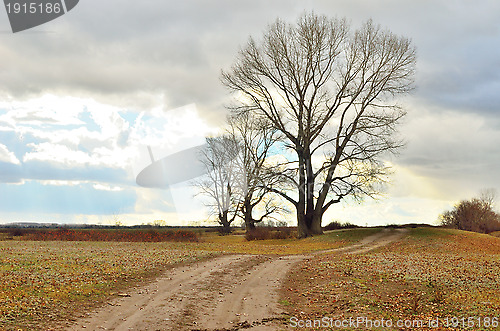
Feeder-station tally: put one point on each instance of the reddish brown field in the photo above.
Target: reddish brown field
(125, 235)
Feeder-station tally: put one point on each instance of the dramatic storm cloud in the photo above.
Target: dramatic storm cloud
(82, 97)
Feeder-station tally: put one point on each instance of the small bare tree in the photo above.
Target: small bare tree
(328, 91)
(220, 158)
(488, 196)
(256, 137)
(238, 181)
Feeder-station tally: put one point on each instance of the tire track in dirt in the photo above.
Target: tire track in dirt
(230, 292)
(371, 242)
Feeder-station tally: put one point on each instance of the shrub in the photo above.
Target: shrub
(224, 230)
(475, 215)
(335, 225)
(283, 233)
(16, 232)
(258, 233)
(264, 233)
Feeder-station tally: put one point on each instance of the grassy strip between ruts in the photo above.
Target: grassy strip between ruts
(432, 275)
(43, 283)
(237, 243)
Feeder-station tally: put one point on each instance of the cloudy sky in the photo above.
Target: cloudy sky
(83, 96)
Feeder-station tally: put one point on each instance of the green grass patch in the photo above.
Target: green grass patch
(238, 243)
(284, 302)
(346, 235)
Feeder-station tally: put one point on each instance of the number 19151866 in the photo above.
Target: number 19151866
(33, 8)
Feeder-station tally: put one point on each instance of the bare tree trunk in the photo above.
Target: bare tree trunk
(313, 219)
(301, 207)
(249, 224)
(308, 222)
(316, 224)
(247, 209)
(226, 224)
(302, 228)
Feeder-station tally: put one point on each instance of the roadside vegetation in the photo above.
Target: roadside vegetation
(126, 235)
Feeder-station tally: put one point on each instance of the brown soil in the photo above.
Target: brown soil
(230, 292)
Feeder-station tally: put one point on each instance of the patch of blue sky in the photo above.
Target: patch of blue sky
(153, 122)
(35, 197)
(280, 148)
(89, 123)
(10, 173)
(17, 144)
(49, 171)
(129, 116)
(39, 170)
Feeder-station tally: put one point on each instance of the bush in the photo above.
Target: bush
(475, 215)
(264, 233)
(14, 232)
(335, 225)
(17, 232)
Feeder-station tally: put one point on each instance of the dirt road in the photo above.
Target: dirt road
(230, 292)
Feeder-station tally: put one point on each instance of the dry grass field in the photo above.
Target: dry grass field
(430, 273)
(44, 282)
(449, 275)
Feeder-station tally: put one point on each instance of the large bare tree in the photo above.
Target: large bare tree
(329, 90)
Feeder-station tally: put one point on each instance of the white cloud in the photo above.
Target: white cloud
(392, 210)
(7, 156)
(455, 153)
(103, 187)
(45, 110)
(61, 182)
(62, 136)
(166, 132)
(175, 205)
(58, 154)
(75, 132)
